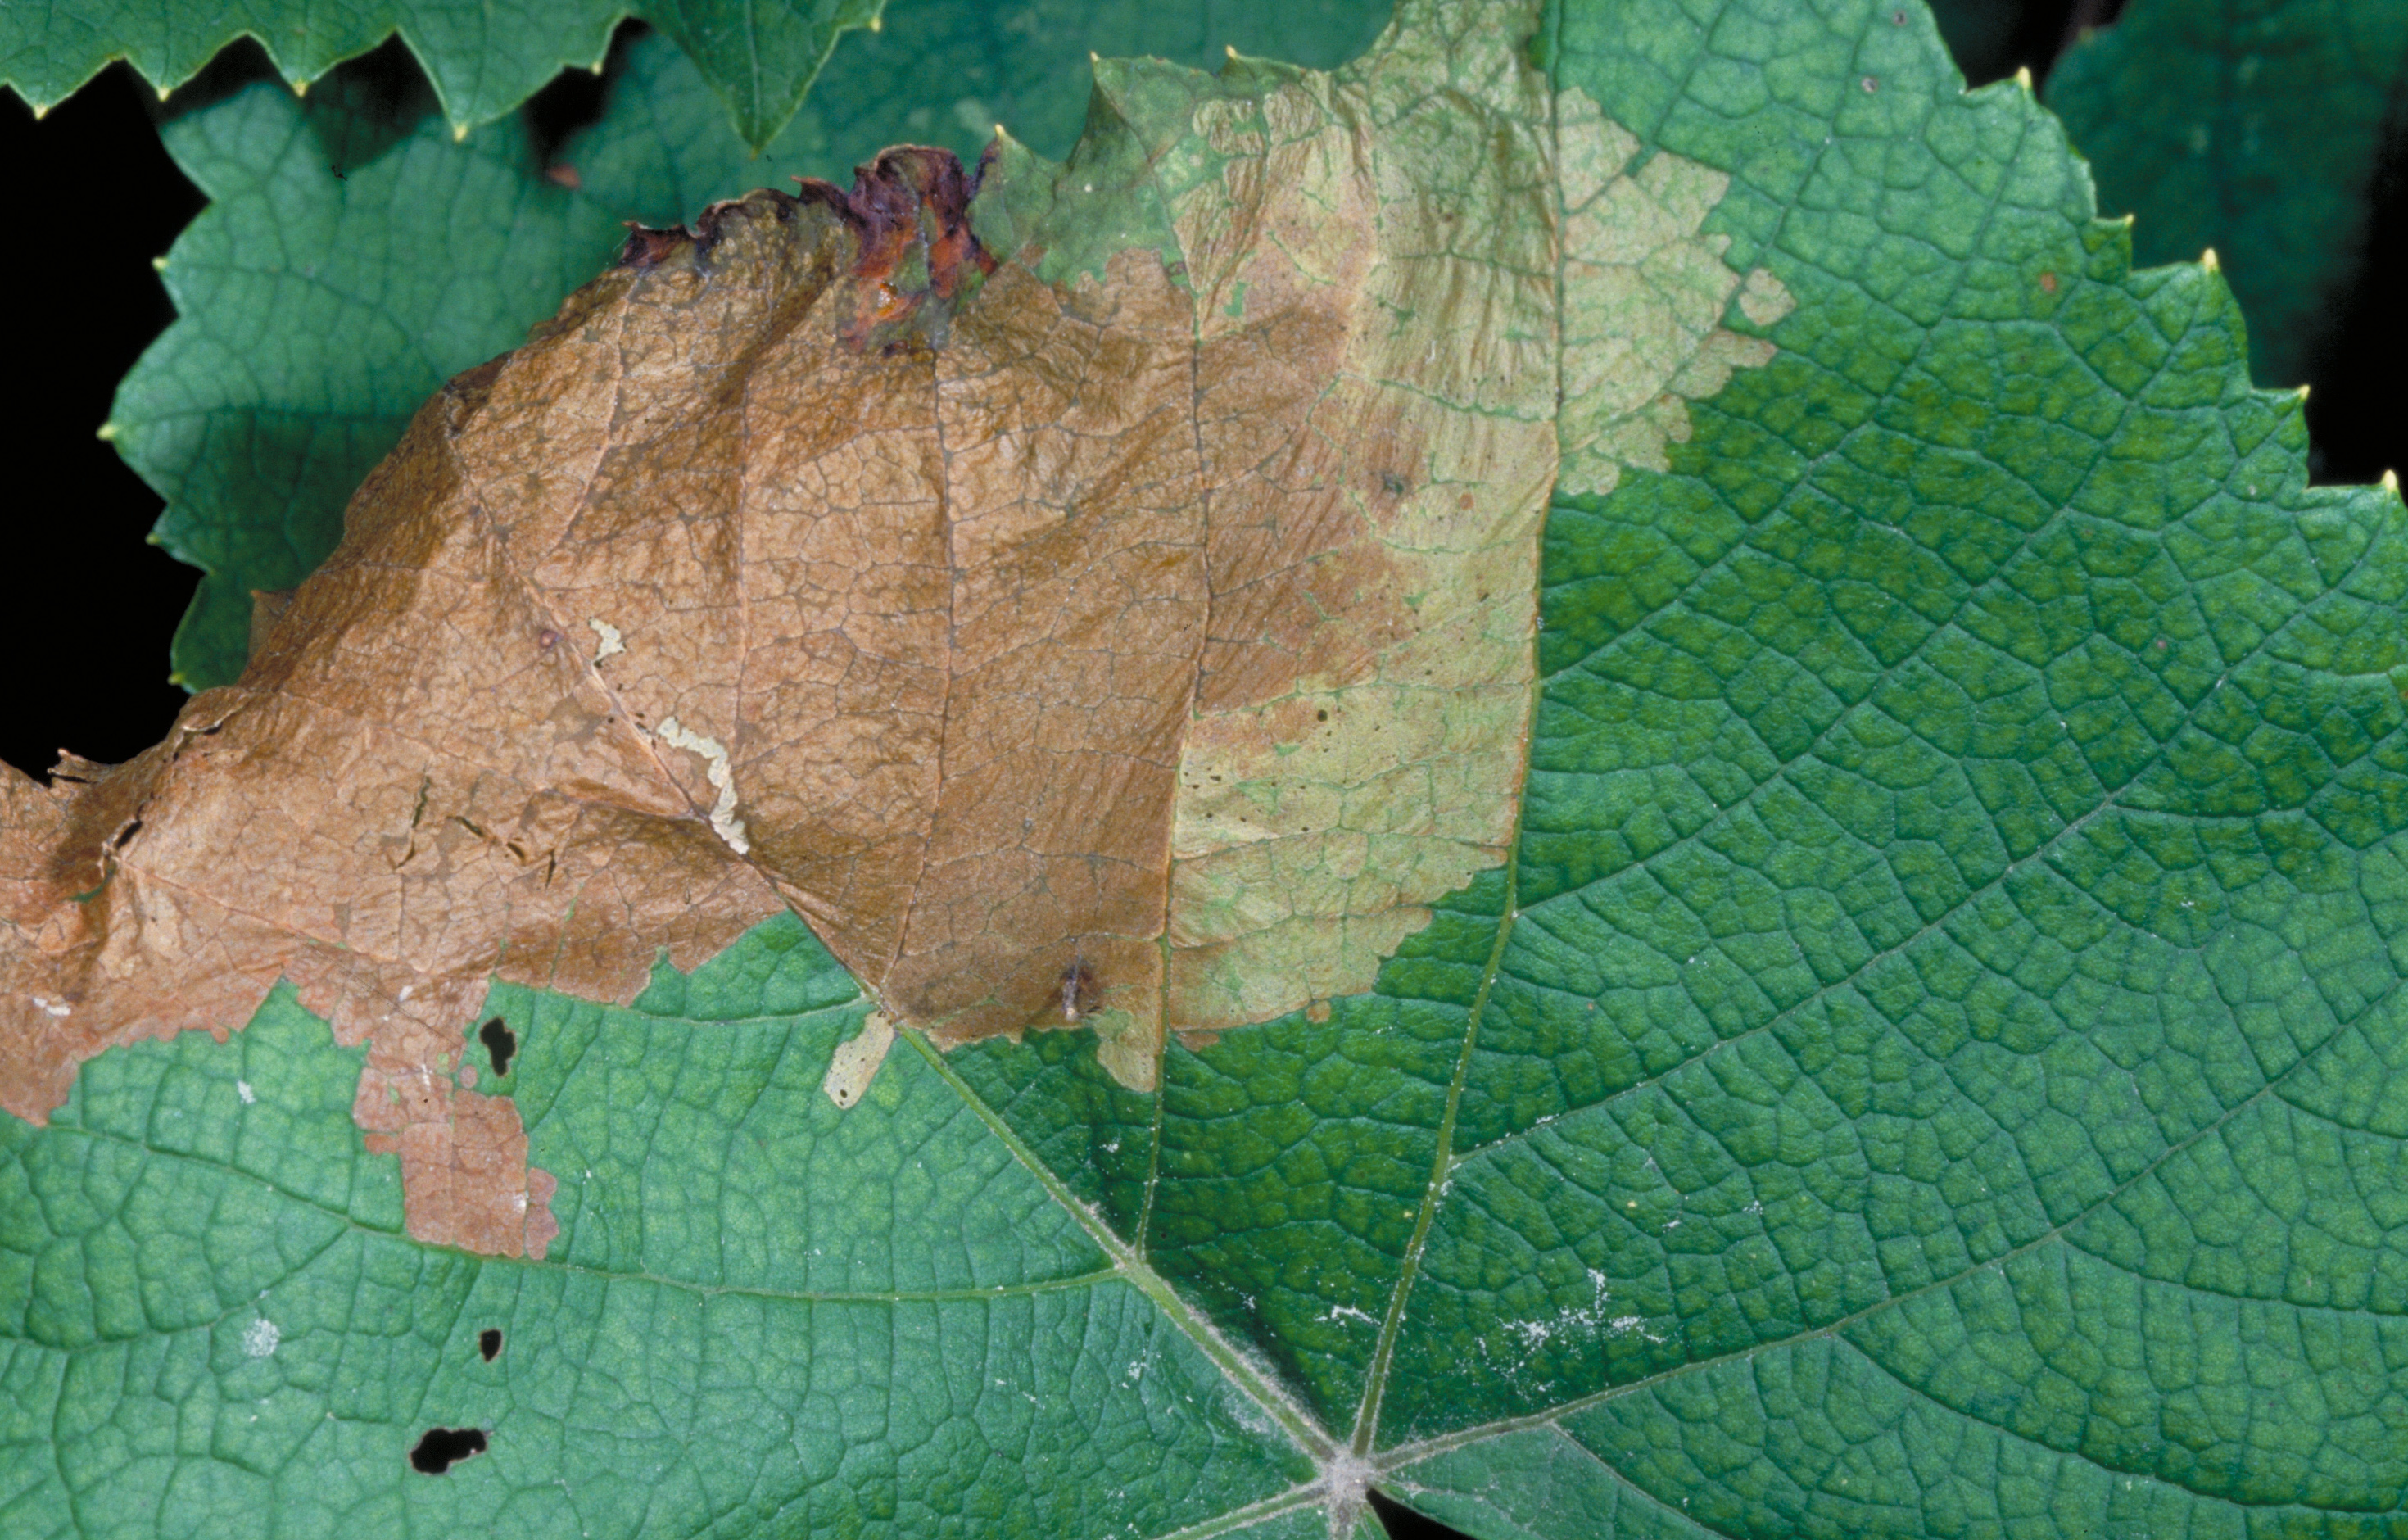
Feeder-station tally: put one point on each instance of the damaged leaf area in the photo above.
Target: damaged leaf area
(1099, 595)
(1833, 968)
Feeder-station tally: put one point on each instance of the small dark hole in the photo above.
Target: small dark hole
(1324, 717)
(501, 1043)
(489, 1342)
(444, 1447)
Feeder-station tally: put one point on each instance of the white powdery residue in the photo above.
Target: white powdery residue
(1347, 1311)
(51, 1007)
(724, 822)
(611, 645)
(1536, 1335)
(260, 1337)
(1346, 1477)
(242, 1088)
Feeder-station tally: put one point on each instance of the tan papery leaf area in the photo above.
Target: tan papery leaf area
(1092, 596)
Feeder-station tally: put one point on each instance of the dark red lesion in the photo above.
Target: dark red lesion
(649, 248)
(910, 211)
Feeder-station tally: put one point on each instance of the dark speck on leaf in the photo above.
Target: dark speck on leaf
(1393, 483)
(501, 1043)
(443, 1447)
(489, 1342)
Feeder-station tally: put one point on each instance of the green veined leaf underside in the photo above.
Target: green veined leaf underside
(1926, 1064)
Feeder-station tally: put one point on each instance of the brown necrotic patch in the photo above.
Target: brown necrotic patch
(1144, 650)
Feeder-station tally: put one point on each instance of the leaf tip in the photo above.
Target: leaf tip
(2207, 261)
(2023, 76)
(107, 432)
(2391, 482)
(158, 265)
(459, 133)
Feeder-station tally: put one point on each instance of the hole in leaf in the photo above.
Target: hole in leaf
(501, 1043)
(489, 1342)
(443, 1447)
(1403, 1523)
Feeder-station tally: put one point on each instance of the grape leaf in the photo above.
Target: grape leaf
(760, 59)
(2255, 129)
(349, 264)
(1924, 1067)
(322, 294)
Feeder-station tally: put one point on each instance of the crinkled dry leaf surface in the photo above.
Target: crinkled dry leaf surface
(1914, 1055)
(354, 254)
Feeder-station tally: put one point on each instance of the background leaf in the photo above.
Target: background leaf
(761, 59)
(481, 60)
(2256, 128)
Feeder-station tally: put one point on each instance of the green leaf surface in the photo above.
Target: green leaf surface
(1933, 1065)
(761, 59)
(353, 256)
(769, 1315)
(2253, 127)
(482, 60)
